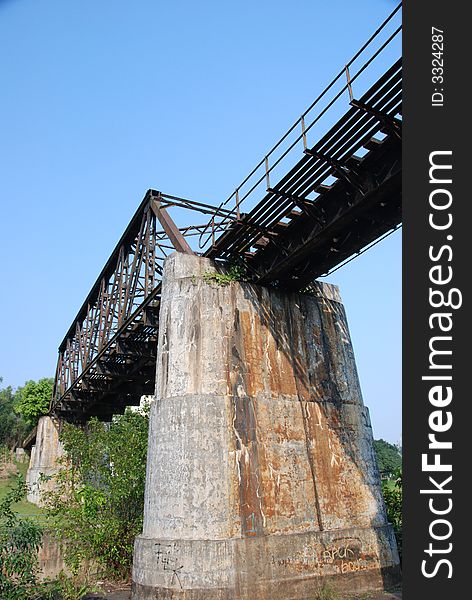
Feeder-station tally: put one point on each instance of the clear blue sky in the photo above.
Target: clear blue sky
(102, 100)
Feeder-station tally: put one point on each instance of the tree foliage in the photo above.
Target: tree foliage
(393, 496)
(33, 399)
(97, 507)
(389, 458)
(13, 428)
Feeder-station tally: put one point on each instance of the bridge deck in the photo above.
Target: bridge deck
(291, 238)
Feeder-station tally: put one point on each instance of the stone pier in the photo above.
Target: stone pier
(261, 477)
(43, 460)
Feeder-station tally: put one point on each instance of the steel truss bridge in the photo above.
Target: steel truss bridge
(320, 197)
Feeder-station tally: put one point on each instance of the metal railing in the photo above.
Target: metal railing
(381, 40)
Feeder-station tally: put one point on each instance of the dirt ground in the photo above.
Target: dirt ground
(379, 596)
(125, 594)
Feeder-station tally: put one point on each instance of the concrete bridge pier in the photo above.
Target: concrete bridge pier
(261, 476)
(43, 460)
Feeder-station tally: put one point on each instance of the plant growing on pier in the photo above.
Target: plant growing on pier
(97, 508)
(233, 272)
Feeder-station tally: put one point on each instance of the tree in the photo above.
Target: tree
(393, 496)
(98, 504)
(13, 428)
(389, 458)
(33, 399)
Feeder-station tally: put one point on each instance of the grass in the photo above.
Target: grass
(23, 508)
(326, 592)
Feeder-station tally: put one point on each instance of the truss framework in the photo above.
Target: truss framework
(108, 354)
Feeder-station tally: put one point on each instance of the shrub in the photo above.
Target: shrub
(393, 496)
(20, 540)
(97, 506)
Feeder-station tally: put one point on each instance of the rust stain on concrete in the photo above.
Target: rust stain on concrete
(261, 476)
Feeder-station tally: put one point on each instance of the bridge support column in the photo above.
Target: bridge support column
(261, 476)
(43, 460)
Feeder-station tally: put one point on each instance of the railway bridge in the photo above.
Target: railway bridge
(261, 475)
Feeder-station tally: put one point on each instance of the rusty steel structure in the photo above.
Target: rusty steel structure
(107, 358)
(291, 238)
(322, 195)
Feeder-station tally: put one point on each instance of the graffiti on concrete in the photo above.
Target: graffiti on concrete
(345, 558)
(168, 561)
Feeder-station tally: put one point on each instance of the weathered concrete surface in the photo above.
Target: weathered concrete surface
(51, 560)
(261, 477)
(50, 557)
(21, 455)
(44, 457)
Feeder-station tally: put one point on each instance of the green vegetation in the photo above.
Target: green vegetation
(22, 507)
(96, 511)
(17, 408)
(393, 495)
(20, 539)
(233, 272)
(20, 410)
(389, 458)
(13, 428)
(33, 399)
(65, 588)
(327, 592)
(97, 508)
